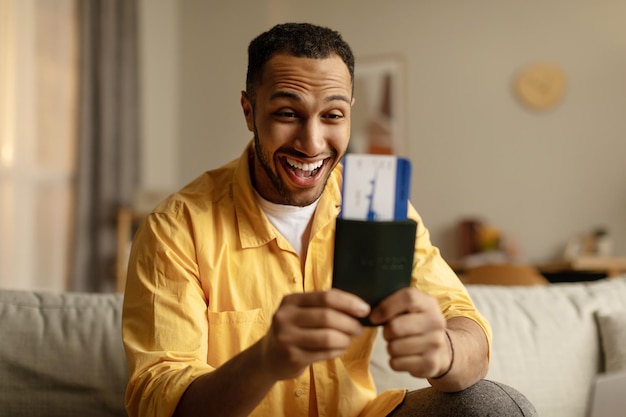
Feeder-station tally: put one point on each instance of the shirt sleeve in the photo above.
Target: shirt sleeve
(164, 321)
(433, 275)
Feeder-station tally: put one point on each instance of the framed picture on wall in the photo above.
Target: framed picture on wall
(379, 112)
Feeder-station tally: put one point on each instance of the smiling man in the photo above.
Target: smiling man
(299, 111)
(229, 310)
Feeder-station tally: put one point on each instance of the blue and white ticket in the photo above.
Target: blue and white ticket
(375, 187)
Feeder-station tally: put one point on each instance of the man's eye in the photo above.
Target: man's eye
(334, 116)
(288, 114)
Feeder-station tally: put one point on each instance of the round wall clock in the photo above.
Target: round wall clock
(540, 86)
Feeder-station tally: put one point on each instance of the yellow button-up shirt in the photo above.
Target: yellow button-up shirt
(207, 271)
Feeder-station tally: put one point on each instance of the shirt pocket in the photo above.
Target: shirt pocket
(231, 332)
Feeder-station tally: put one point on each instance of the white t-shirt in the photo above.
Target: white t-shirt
(293, 222)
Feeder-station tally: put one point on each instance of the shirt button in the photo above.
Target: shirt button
(299, 393)
(295, 280)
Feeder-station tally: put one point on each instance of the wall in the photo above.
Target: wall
(159, 32)
(476, 151)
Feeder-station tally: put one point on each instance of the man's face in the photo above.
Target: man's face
(301, 123)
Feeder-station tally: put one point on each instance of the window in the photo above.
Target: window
(38, 106)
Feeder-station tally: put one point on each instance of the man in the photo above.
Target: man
(229, 309)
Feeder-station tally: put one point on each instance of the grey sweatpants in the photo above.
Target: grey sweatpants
(484, 399)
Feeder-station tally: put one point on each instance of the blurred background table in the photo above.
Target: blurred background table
(606, 266)
(584, 268)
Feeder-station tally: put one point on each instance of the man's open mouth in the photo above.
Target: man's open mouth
(304, 170)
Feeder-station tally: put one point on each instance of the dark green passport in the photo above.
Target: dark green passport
(373, 259)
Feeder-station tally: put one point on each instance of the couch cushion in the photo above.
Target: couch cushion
(61, 355)
(613, 331)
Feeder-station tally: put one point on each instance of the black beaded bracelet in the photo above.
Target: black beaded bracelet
(451, 357)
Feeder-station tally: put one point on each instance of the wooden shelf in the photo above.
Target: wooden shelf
(127, 222)
(609, 265)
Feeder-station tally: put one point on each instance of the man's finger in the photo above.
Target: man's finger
(335, 299)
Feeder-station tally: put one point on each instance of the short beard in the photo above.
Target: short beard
(265, 164)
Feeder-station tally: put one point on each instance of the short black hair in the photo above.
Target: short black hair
(299, 40)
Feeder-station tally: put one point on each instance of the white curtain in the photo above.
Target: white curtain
(38, 108)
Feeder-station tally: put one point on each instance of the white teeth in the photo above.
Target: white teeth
(304, 167)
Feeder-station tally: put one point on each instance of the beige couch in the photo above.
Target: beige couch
(61, 355)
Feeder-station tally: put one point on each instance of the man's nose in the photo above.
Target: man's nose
(311, 139)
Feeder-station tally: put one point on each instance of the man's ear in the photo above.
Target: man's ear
(246, 106)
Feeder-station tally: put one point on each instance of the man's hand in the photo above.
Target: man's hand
(414, 329)
(311, 327)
